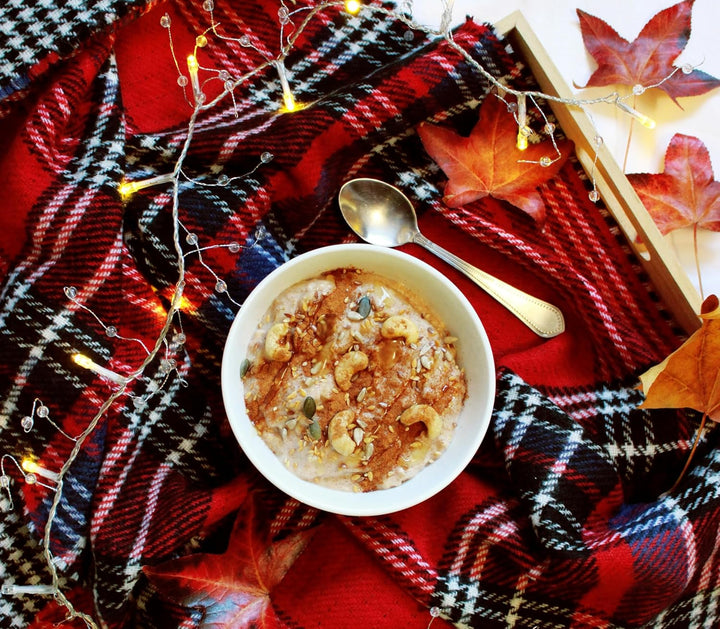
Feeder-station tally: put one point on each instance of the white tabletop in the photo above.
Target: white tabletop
(556, 25)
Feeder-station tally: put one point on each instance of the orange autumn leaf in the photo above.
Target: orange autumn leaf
(488, 162)
(690, 376)
(686, 193)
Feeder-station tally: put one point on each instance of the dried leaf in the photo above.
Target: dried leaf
(690, 376)
(648, 60)
(488, 162)
(686, 194)
(233, 587)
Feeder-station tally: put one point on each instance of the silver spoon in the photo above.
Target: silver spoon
(382, 215)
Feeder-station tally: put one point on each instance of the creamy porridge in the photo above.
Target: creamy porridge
(352, 382)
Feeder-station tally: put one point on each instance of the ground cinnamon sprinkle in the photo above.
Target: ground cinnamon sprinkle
(352, 382)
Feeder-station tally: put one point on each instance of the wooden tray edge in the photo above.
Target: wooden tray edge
(655, 255)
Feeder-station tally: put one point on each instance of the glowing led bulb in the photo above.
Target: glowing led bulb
(180, 302)
(90, 365)
(193, 68)
(83, 361)
(128, 188)
(644, 120)
(522, 140)
(289, 103)
(31, 467)
(352, 6)
(523, 130)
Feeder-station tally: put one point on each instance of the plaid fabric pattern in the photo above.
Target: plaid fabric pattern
(559, 521)
(38, 35)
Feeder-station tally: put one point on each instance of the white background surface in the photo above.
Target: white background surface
(556, 24)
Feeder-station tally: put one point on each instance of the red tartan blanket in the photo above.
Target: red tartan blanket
(559, 521)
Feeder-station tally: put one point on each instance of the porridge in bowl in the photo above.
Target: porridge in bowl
(352, 382)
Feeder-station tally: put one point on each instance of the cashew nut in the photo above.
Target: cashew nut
(348, 365)
(277, 343)
(400, 326)
(423, 413)
(338, 435)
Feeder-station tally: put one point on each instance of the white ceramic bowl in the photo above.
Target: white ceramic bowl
(474, 354)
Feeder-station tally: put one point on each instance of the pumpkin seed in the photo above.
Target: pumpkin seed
(309, 407)
(324, 327)
(364, 306)
(244, 366)
(314, 430)
(358, 435)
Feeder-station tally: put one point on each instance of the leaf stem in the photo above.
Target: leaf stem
(692, 452)
(630, 134)
(697, 261)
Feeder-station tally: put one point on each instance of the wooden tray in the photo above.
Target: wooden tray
(655, 255)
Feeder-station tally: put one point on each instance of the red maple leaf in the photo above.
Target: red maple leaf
(55, 615)
(488, 162)
(234, 587)
(648, 60)
(686, 194)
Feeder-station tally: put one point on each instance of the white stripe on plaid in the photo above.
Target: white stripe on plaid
(397, 551)
(469, 605)
(518, 598)
(149, 508)
(547, 493)
(469, 547)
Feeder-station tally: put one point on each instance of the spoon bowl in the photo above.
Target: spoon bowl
(382, 215)
(378, 212)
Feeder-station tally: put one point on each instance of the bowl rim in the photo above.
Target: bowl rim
(425, 483)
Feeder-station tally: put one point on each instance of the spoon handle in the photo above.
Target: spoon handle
(541, 317)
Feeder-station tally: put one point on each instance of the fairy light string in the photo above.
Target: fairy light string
(30, 469)
(525, 132)
(123, 383)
